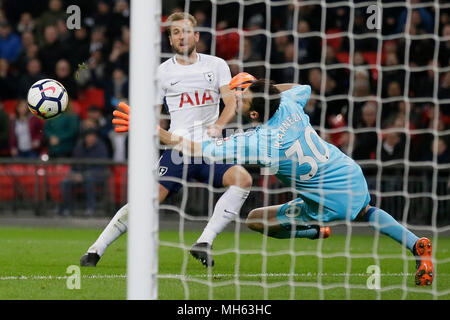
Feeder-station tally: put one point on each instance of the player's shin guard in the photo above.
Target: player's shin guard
(116, 227)
(226, 210)
(382, 221)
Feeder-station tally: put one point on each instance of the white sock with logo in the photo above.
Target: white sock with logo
(115, 228)
(226, 210)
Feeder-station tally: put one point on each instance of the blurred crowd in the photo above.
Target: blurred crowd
(380, 94)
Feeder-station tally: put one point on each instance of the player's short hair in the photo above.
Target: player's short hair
(262, 90)
(177, 16)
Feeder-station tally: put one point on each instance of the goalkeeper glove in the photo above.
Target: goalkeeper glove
(241, 81)
(124, 117)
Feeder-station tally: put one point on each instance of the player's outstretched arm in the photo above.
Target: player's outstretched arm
(179, 143)
(228, 113)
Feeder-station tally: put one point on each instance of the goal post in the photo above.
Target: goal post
(142, 257)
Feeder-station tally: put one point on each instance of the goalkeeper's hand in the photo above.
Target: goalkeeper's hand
(121, 118)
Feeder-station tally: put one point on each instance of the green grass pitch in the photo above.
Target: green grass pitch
(34, 262)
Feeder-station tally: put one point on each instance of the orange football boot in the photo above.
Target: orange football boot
(324, 232)
(424, 265)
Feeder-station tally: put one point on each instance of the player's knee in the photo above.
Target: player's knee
(239, 177)
(254, 221)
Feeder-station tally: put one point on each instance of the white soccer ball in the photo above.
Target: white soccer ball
(47, 99)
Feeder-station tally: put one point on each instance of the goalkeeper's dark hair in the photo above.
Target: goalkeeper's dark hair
(266, 98)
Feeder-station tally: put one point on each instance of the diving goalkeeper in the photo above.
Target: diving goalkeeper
(330, 185)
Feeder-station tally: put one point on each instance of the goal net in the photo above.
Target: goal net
(380, 78)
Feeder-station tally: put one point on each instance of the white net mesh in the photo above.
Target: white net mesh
(380, 79)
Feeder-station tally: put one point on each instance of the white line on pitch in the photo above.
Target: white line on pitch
(217, 275)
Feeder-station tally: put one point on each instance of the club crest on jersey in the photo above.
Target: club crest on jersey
(162, 171)
(209, 76)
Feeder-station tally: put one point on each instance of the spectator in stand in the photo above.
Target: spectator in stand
(337, 17)
(26, 23)
(65, 37)
(332, 88)
(366, 142)
(27, 54)
(119, 57)
(51, 51)
(98, 40)
(4, 132)
(65, 76)
(256, 23)
(50, 17)
(97, 69)
(204, 44)
(309, 47)
(360, 61)
(444, 48)
(444, 93)
(33, 74)
(339, 74)
(80, 47)
(61, 133)
(95, 120)
(26, 133)
(391, 108)
(288, 73)
(421, 20)
(103, 16)
(393, 146)
(251, 55)
(116, 88)
(313, 109)
(388, 76)
(422, 83)
(10, 43)
(27, 42)
(120, 18)
(277, 56)
(8, 81)
(440, 150)
(361, 82)
(88, 176)
(360, 28)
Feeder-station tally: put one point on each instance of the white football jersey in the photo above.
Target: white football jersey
(191, 93)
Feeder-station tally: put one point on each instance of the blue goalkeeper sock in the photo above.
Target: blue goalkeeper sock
(386, 224)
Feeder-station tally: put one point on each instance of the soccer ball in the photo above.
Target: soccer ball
(47, 99)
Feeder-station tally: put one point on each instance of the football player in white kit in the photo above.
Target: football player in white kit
(191, 85)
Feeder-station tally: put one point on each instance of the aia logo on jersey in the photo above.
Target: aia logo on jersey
(196, 99)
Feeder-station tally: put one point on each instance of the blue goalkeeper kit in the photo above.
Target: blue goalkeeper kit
(329, 185)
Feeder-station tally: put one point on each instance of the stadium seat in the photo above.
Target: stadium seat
(10, 106)
(89, 97)
(55, 174)
(371, 58)
(24, 177)
(343, 57)
(6, 184)
(334, 41)
(120, 184)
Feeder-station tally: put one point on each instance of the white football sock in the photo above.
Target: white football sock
(115, 228)
(226, 210)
